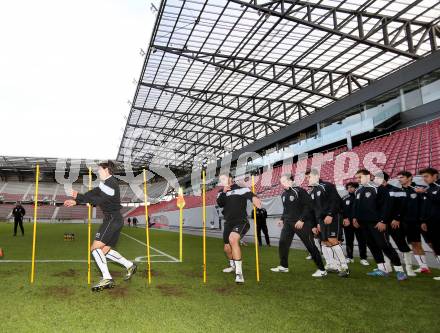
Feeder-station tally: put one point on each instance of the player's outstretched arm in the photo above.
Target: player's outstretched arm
(94, 197)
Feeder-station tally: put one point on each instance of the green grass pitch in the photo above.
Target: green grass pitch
(178, 301)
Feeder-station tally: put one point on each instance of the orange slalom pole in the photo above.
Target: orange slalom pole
(204, 223)
(89, 232)
(257, 256)
(181, 234)
(34, 237)
(147, 228)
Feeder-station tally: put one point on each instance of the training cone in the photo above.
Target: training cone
(1, 253)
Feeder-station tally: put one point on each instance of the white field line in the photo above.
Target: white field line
(158, 251)
(62, 261)
(161, 254)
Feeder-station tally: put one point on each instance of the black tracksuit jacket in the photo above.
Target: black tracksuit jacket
(326, 200)
(372, 204)
(297, 205)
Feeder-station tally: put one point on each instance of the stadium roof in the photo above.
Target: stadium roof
(219, 75)
(22, 163)
(26, 163)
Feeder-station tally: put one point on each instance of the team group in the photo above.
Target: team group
(373, 212)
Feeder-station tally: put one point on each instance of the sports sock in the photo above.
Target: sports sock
(388, 266)
(102, 263)
(328, 255)
(318, 244)
(381, 267)
(325, 254)
(231, 263)
(407, 258)
(116, 257)
(238, 268)
(333, 259)
(438, 259)
(421, 260)
(338, 254)
(398, 268)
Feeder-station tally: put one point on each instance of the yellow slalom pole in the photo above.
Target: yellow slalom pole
(257, 257)
(147, 228)
(89, 231)
(204, 223)
(34, 238)
(180, 204)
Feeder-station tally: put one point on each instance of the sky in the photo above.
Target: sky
(66, 74)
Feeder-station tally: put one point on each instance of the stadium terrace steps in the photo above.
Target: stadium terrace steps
(24, 191)
(44, 211)
(100, 214)
(72, 213)
(5, 211)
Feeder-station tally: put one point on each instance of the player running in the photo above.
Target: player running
(107, 197)
(233, 199)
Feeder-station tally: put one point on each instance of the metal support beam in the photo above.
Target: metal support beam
(186, 121)
(307, 7)
(219, 104)
(249, 72)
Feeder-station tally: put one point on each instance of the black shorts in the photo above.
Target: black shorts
(332, 230)
(110, 229)
(412, 231)
(240, 228)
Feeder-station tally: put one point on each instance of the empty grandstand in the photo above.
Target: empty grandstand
(52, 194)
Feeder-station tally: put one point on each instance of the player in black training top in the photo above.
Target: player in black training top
(411, 214)
(436, 176)
(297, 219)
(350, 230)
(107, 197)
(372, 208)
(396, 229)
(431, 210)
(233, 199)
(327, 206)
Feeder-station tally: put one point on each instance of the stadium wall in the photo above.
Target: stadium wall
(423, 113)
(192, 217)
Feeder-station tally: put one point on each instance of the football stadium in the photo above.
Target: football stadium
(273, 168)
